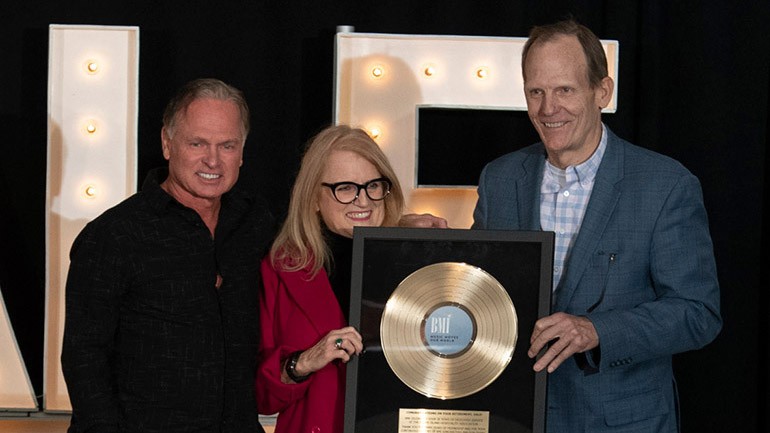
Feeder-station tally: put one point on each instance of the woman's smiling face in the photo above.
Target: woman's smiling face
(347, 166)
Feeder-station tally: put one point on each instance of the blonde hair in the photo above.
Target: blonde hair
(300, 242)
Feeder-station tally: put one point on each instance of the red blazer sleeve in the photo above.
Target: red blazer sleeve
(273, 395)
(295, 312)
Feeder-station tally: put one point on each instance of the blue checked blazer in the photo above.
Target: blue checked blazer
(641, 269)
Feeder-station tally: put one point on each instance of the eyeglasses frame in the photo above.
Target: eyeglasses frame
(333, 187)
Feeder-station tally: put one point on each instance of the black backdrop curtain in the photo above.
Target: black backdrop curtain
(693, 85)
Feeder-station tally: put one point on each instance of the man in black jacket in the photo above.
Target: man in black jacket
(161, 330)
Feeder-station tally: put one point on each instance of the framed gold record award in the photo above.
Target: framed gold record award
(446, 316)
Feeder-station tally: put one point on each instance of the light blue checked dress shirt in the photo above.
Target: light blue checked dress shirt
(564, 195)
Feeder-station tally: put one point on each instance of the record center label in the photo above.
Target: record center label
(448, 330)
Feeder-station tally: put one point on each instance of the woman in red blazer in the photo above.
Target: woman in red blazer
(344, 181)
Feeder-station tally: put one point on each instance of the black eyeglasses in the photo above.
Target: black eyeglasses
(348, 192)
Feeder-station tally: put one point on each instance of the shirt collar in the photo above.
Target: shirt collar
(160, 200)
(584, 173)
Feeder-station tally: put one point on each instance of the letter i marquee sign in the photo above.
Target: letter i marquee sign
(93, 80)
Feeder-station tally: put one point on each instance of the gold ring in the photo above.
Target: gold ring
(338, 343)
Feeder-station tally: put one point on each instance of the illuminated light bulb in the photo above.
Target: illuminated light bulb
(375, 132)
(429, 71)
(90, 128)
(482, 72)
(90, 191)
(378, 72)
(92, 67)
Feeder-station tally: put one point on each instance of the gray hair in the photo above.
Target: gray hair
(204, 88)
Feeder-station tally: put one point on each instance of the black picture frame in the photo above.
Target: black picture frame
(522, 261)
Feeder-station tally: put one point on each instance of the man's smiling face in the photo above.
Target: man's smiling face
(562, 105)
(204, 151)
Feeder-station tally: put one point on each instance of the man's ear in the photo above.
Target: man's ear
(603, 92)
(165, 143)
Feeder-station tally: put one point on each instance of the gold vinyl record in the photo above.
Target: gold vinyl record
(449, 330)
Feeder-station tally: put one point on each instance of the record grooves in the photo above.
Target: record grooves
(449, 330)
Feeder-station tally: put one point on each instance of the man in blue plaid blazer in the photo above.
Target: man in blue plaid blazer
(635, 278)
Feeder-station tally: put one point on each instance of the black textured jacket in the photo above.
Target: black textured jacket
(150, 344)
